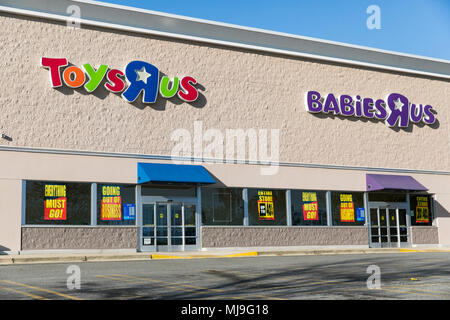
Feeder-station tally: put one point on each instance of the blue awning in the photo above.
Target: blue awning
(172, 173)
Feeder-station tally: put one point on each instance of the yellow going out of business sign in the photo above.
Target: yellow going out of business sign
(347, 208)
(111, 203)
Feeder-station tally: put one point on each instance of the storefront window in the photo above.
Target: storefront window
(222, 206)
(267, 207)
(116, 204)
(309, 208)
(58, 203)
(421, 210)
(347, 208)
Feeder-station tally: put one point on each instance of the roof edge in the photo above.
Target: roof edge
(100, 14)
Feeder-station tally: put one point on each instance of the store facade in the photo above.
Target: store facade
(142, 131)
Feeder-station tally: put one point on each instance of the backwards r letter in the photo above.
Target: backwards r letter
(141, 76)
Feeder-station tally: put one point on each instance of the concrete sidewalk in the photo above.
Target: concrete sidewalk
(65, 257)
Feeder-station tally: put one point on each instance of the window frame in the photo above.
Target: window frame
(350, 224)
(267, 223)
(324, 205)
(52, 225)
(431, 208)
(96, 215)
(237, 212)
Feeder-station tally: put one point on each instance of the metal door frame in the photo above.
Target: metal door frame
(168, 226)
(157, 200)
(390, 206)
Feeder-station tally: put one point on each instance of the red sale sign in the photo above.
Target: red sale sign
(310, 211)
(55, 209)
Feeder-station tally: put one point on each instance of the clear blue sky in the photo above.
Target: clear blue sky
(420, 27)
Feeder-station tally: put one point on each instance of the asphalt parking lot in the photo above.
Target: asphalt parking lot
(409, 276)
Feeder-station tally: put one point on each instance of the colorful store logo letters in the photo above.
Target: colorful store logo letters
(139, 76)
(396, 109)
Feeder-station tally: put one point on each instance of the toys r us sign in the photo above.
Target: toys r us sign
(139, 76)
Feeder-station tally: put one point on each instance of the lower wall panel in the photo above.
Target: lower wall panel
(42, 238)
(424, 235)
(282, 236)
(39, 238)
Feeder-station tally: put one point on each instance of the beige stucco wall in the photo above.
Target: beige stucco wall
(61, 167)
(239, 89)
(443, 216)
(10, 214)
(90, 168)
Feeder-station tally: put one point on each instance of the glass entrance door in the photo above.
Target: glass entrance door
(175, 233)
(168, 226)
(388, 227)
(148, 225)
(392, 222)
(162, 224)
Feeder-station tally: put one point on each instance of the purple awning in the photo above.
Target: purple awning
(376, 182)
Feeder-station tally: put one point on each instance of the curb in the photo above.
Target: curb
(334, 252)
(326, 252)
(73, 258)
(29, 259)
(203, 256)
(423, 250)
